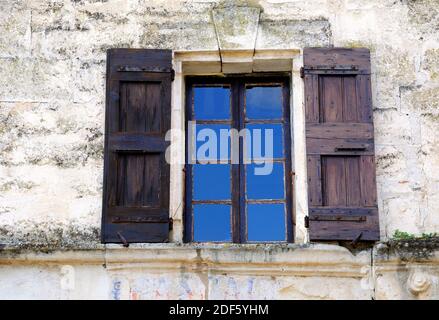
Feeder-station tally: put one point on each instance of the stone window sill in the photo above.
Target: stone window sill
(280, 259)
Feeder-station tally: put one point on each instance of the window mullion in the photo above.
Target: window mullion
(242, 196)
(236, 225)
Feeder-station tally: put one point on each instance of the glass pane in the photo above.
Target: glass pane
(263, 103)
(265, 181)
(266, 141)
(212, 222)
(211, 181)
(211, 103)
(266, 222)
(213, 142)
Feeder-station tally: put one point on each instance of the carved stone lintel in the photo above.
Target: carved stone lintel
(236, 27)
(236, 30)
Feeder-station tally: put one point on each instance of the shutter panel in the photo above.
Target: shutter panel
(136, 175)
(340, 145)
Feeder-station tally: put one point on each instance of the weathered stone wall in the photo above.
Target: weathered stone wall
(403, 270)
(52, 85)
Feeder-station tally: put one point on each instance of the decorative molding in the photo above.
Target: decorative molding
(418, 282)
(287, 259)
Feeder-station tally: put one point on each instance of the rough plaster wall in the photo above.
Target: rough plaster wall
(52, 71)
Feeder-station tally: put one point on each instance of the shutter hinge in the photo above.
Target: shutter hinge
(171, 223)
(357, 238)
(306, 221)
(124, 241)
(172, 74)
(302, 72)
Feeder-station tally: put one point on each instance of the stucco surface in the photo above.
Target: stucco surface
(52, 87)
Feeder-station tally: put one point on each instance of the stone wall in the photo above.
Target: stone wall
(403, 270)
(52, 86)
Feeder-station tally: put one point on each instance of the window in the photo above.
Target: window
(238, 182)
(228, 198)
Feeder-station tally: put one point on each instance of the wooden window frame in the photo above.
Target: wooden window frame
(238, 84)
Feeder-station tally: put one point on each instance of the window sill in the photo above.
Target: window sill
(258, 259)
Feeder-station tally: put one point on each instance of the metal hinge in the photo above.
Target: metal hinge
(142, 69)
(341, 67)
(124, 241)
(171, 223)
(306, 221)
(302, 72)
(357, 238)
(172, 74)
(337, 217)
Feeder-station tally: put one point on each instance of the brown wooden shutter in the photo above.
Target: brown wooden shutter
(136, 175)
(340, 145)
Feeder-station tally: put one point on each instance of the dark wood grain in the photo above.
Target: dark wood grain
(331, 58)
(140, 142)
(311, 98)
(340, 144)
(334, 181)
(314, 180)
(136, 175)
(368, 181)
(353, 190)
(346, 130)
(331, 99)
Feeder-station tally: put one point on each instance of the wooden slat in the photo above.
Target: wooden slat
(151, 59)
(165, 126)
(311, 99)
(314, 180)
(350, 106)
(346, 130)
(334, 181)
(347, 211)
(136, 232)
(140, 77)
(345, 230)
(368, 181)
(364, 98)
(353, 189)
(137, 142)
(336, 57)
(334, 146)
(153, 212)
(331, 100)
(342, 70)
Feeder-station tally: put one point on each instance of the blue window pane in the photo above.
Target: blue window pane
(212, 222)
(264, 103)
(266, 141)
(265, 181)
(212, 142)
(211, 103)
(211, 181)
(266, 222)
